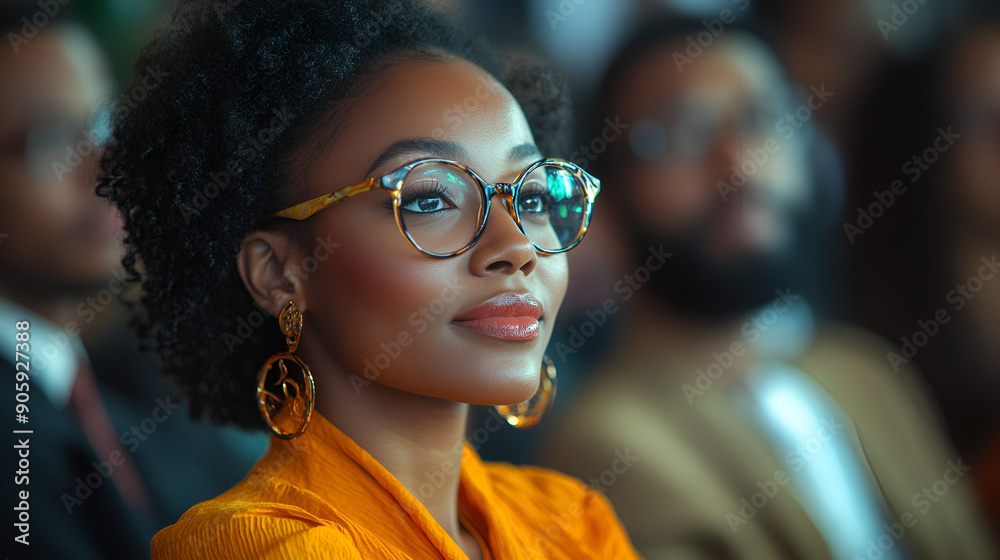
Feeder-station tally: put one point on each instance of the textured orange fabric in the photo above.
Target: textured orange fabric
(323, 496)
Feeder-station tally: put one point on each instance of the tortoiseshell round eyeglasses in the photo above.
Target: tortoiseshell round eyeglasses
(441, 206)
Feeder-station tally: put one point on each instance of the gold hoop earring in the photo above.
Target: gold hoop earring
(530, 413)
(285, 400)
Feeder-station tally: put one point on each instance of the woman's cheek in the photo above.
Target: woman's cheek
(555, 278)
(373, 305)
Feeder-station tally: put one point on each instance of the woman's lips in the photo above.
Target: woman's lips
(508, 316)
(504, 328)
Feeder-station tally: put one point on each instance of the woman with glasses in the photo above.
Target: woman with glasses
(383, 188)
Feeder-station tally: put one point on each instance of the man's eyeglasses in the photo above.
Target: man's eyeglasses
(55, 144)
(688, 127)
(441, 206)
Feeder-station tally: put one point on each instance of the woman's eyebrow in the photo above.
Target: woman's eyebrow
(523, 152)
(423, 147)
(420, 147)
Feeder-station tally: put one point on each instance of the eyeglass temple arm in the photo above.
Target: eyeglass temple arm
(308, 208)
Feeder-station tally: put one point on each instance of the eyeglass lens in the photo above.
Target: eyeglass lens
(442, 207)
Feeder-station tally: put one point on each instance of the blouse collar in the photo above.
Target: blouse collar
(345, 478)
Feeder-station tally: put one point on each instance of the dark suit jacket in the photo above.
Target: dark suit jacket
(77, 512)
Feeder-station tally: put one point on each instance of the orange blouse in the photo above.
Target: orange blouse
(323, 496)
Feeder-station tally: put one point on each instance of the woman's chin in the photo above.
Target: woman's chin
(511, 390)
(515, 390)
(487, 380)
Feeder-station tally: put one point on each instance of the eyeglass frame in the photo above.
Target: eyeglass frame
(508, 192)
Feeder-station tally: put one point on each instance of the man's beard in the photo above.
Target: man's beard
(699, 288)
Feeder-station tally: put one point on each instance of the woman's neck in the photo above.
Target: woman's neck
(417, 439)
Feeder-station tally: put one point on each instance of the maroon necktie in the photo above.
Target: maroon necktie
(86, 405)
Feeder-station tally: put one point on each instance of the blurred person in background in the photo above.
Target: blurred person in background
(728, 422)
(923, 273)
(973, 189)
(113, 455)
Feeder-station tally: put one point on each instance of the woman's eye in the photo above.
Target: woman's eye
(533, 201)
(426, 203)
(532, 204)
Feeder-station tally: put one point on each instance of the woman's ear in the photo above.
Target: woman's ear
(266, 262)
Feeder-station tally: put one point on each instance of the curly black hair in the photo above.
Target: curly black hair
(228, 97)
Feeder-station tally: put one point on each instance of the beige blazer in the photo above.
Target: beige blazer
(676, 468)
